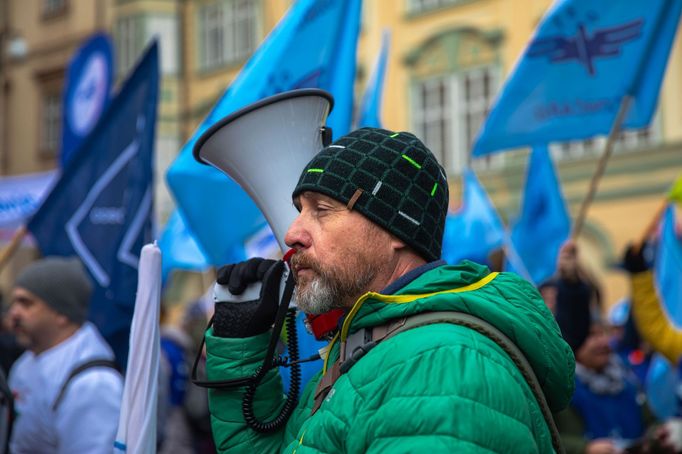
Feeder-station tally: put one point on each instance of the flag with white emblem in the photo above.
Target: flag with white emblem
(101, 207)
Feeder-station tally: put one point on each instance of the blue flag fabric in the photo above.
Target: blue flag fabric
(544, 224)
(313, 46)
(370, 110)
(89, 78)
(475, 230)
(661, 384)
(584, 58)
(101, 207)
(179, 250)
(668, 267)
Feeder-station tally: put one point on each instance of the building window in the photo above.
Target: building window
(448, 112)
(53, 7)
(421, 6)
(432, 118)
(51, 123)
(129, 42)
(229, 32)
(165, 30)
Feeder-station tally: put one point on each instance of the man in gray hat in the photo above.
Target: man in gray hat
(66, 389)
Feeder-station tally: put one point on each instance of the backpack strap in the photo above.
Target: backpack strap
(357, 346)
(99, 362)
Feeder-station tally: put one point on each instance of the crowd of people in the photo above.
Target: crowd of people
(427, 355)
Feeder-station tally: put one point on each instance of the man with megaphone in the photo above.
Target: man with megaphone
(427, 356)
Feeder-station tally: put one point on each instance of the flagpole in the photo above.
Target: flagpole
(9, 250)
(653, 224)
(601, 166)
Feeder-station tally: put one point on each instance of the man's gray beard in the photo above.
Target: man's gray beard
(317, 299)
(325, 293)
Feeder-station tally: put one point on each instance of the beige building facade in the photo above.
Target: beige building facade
(447, 61)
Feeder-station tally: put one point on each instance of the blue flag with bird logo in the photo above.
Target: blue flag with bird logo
(584, 58)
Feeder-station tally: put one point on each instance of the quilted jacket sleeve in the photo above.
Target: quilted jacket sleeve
(424, 404)
(236, 358)
(651, 320)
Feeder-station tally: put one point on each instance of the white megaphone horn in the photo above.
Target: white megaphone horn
(265, 146)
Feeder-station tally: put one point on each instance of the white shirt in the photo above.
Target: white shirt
(87, 417)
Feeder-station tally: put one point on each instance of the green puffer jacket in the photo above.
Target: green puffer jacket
(436, 388)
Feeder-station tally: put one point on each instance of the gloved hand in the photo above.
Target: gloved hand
(634, 259)
(248, 318)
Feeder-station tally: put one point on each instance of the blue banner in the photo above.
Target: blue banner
(86, 92)
(370, 109)
(544, 219)
(313, 46)
(584, 58)
(21, 195)
(101, 207)
(475, 230)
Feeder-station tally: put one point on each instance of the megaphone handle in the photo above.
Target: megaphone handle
(252, 292)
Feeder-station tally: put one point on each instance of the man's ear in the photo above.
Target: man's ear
(397, 244)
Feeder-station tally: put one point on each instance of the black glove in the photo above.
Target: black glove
(635, 261)
(246, 319)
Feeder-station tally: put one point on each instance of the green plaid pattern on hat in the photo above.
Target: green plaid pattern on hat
(404, 189)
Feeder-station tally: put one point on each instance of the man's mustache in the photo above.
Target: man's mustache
(300, 260)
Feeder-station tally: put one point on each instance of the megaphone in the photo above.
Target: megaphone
(265, 146)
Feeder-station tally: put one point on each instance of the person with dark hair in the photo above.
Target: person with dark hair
(66, 389)
(607, 412)
(423, 358)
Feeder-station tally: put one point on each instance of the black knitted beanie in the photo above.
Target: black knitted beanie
(389, 177)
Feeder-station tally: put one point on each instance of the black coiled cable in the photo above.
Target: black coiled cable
(294, 384)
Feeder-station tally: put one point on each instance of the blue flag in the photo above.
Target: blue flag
(475, 230)
(544, 219)
(101, 207)
(89, 78)
(313, 46)
(584, 58)
(179, 250)
(370, 110)
(668, 267)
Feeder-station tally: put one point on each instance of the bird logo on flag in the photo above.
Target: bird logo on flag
(583, 47)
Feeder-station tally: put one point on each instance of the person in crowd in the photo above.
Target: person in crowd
(10, 350)
(650, 318)
(195, 405)
(570, 295)
(626, 341)
(6, 413)
(174, 432)
(367, 240)
(608, 413)
(66, 389)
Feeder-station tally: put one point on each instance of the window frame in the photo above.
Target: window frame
(454, 147)
(229, 32)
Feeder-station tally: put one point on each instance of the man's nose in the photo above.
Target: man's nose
(297, 236)
(13, 313)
